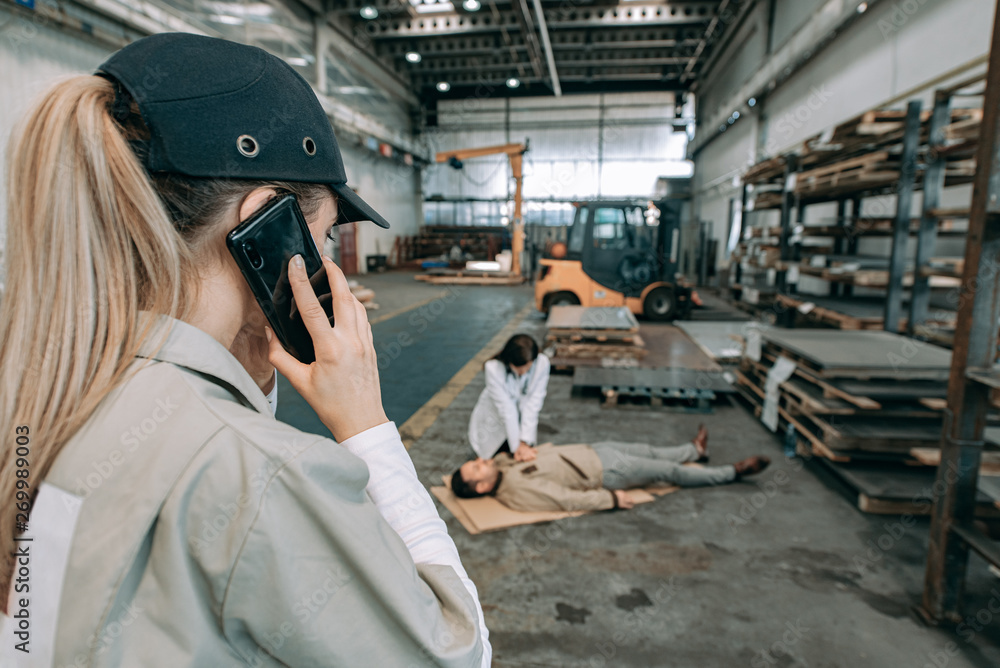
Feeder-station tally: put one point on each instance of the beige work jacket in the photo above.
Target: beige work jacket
(561, 477)
(212, 535)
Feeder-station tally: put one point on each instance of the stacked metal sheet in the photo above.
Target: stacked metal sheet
(869, 404)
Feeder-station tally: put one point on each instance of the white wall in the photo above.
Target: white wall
(34, 56)
(391, 189)
(892, 48)
(575, 151)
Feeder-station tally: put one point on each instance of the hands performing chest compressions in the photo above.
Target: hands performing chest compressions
(503, 430)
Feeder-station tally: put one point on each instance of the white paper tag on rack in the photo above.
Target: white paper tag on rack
(793, 274)
(753, 344)
(791, 181)
(772, 275)
(806, 307)
(827, 135)
(781, 371)
(751, 295)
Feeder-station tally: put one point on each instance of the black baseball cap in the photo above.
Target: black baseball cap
(217, 108)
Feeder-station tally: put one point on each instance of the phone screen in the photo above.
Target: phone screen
(262, 246)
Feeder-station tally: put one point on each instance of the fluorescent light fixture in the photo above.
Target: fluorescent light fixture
(752, 102)
(369, 12)
(443, 86)
(862, 8)
(472, 5)
(227, 19)
(513, 82)
(297, 60)
(256, 9)
(431, 7)
(412, 57)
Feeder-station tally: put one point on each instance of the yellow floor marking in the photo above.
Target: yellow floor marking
(392, 314)
(421, 421)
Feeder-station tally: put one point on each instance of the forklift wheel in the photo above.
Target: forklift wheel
(561, 299)
(660, 305)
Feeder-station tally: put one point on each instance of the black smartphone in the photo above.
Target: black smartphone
(262, 246)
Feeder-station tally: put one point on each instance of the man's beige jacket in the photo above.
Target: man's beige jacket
(561, 477)
(213, 535)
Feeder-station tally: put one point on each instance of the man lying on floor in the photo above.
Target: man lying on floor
(584, 477)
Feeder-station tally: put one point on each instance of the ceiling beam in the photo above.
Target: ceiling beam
(547, 44)
(527, 25)
(640, 16)
(688, 71)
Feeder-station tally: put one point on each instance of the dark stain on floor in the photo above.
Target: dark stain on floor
(634, 599)
(567, 613)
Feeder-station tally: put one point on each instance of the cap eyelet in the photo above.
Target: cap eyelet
(309, 146)
(248, 146)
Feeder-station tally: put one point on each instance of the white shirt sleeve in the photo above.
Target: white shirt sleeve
(531, 403)
(272, 396)
(496, 388)
(408, 508)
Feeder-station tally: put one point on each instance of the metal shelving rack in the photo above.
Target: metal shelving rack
(974, 375)
(924, 156)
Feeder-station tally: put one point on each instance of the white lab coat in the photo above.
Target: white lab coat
(508, 408)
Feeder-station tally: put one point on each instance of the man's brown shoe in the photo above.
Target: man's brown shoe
(750, 466)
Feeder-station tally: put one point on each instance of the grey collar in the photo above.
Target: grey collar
(194, 349)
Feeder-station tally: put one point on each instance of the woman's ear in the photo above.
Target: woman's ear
(253, 202)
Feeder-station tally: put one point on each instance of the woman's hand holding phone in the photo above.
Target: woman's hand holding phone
(342, 385)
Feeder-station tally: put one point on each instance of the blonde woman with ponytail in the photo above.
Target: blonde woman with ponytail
(154, 511)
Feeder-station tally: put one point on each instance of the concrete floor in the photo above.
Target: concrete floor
(686, 580)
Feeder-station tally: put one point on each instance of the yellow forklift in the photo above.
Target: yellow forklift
(618, 253)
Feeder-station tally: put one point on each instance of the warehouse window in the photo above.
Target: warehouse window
(610, 229)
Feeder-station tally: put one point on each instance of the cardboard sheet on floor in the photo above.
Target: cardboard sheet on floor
(487, 514)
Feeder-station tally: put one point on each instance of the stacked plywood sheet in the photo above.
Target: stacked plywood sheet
(869, 404)
(593, 336)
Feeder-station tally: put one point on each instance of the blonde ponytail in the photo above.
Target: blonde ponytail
(89, 245)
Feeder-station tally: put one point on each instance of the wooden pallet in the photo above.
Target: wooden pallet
(578, 351)
(593, 336)
(828, 316)
(470, 278)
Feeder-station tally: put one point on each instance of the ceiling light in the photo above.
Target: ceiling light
(431, 7)
(369, 12)
(736, 115)
(227, 19)
(752, 102)
(862, 7)
(730, 120)
(443, 86)
(412, 57)
(472, 5)
(513, 82)
(722, 128)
